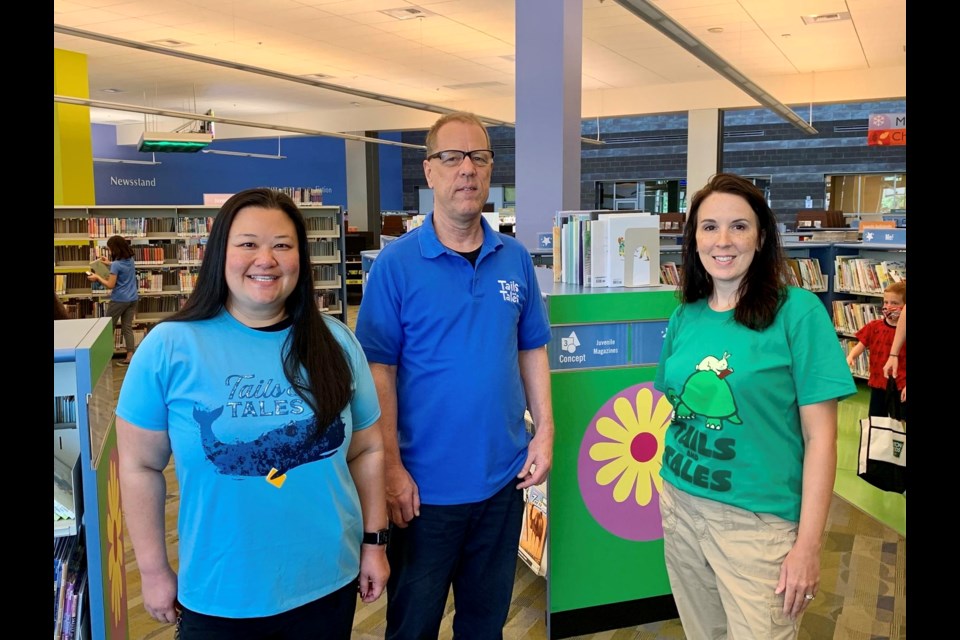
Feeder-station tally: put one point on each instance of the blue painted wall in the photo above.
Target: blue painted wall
(183, 178)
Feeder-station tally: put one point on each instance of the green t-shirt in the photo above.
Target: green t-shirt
(735, 435)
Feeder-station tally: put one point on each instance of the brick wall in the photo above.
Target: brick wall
(756, 143)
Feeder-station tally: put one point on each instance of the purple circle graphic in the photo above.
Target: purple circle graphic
(627, 519)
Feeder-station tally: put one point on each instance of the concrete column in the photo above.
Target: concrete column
(549, 49)
(704, 147)
(72, 139)
(363, 184)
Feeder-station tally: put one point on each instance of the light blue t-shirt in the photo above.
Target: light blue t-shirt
(454, 332)
(125, 289)
(736, 393)
(269, 518)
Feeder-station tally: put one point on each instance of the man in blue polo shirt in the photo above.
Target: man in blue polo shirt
(454, 328)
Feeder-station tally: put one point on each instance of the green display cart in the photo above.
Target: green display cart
(605, 566)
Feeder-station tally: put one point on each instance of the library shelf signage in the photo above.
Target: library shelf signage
(885, 236)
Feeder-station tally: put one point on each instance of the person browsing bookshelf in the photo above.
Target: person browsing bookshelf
(124, 290)
(754, 372)
(879, 338)
(271, 414)
(455, 300)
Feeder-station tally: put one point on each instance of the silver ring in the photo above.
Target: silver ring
(809, 596)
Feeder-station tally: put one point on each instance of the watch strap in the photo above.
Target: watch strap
(380, 537)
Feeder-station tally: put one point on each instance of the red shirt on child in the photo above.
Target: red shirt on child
(877, 337)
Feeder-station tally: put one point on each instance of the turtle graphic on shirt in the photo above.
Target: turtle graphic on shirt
(707, 393)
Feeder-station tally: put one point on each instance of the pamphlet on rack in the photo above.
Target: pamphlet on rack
(533, 534)
(641, 254)
(617, 225)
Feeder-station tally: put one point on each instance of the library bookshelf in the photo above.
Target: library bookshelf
(169, 243)
(90, 594)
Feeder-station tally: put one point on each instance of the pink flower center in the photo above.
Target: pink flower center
(643, 447)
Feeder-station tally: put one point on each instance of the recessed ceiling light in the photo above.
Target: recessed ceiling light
(169, 42)
(111, 90)
(715, 29)
(356, 104)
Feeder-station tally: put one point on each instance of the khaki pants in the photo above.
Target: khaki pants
(724, 564)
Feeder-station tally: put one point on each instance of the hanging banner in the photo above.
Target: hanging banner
(887, 129)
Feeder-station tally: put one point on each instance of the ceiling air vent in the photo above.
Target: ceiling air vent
(406, 13)
(822, 18)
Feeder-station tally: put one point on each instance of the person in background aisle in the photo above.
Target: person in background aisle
(878, 337)
(754, 370)
(890, 368)
(271, 413)
(124, 291)
(59, 311)
(454, 301)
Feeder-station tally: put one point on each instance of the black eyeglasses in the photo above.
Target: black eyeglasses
(453, 157)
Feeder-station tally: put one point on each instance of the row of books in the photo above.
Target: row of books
(302, 195)
(323, 248)
(64, 409)
(69, 587)
(99, 228)
(321, 223)
(849, 317)
(606, 249)
(861, 364)
(867, 275)
(805, 272)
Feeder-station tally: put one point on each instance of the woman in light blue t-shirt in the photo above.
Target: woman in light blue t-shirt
(124, 292)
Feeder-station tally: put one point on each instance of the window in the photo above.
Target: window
(866, 192)
(654, 196)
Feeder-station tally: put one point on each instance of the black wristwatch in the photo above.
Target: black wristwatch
(377, 537)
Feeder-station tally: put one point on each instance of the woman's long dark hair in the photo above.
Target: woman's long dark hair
(119, 247)
(310, 346)
(762, 290)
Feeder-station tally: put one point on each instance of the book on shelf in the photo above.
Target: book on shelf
(599, 250)
(669, 273)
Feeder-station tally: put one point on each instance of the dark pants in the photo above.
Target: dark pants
(329, 618)
(471, 546)
(884, 403)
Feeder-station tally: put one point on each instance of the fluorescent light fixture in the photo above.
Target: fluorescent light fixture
(125, 161)
(663, 23)
(173, 141)
(203, 117)
(243, 154)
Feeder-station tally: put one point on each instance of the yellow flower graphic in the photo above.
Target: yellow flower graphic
(634, 447)
(114, 534)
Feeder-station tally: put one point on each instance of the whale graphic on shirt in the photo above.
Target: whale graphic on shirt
(271, 454)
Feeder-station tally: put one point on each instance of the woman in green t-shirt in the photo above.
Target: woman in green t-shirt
(754, 370)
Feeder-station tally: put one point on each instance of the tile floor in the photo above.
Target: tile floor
(862, 594)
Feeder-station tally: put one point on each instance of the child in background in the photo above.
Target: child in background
(877, 337)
